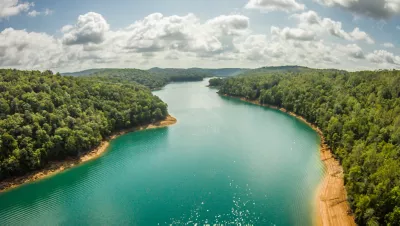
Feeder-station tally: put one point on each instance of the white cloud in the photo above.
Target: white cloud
(398, 27)
(388, 45)
(312, 21)
(275, 5)
(294, 33)
(383, 57)
(13, 7)
(156, 33)
(185, 41)
(31, 49)
(35, 13)
(90, 28)
(229, 25)
(379, 9)
(259, 48)
(358, 35)
(353, 51)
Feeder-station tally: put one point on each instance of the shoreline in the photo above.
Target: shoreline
(332, 207)
(55, 167)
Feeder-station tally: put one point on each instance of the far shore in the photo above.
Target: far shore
(56, 167)
(332, 207)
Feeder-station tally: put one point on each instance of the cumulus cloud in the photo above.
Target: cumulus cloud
(30, 49)
(13, 7)
(229, 25)
(312, 21)
(293, 33)
(388, 45)
(378, 9)
(356, 34)
(90, 28)
(382, 57)
(184, 41)
(353, 51)
(254, 47)
(90, 41)
(261, 48)
(157, 32)
(275, 5)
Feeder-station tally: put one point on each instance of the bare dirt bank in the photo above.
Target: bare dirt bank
(331, 198)
(55, 167)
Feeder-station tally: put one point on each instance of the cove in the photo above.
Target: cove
(224, 162)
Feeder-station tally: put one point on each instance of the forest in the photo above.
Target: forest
(155, 78)
(216, 82)
(129, 75)
(359, 114)
(46, 116)
(180, 75)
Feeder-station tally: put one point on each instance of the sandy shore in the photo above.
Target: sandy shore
(331, 198)
(55, 167)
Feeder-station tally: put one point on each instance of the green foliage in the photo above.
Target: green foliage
(46, 117)
(216, 82)
(179, 75)
(154, 78)
(130, 75)
(359, 114)
(221, 72)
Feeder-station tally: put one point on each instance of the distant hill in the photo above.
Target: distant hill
(286, 69)
(158, 77)
(85, 72)
(129, 75)
(175, 72)
(178, 74)
(222, 72)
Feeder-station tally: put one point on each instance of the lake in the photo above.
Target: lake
(224, 162)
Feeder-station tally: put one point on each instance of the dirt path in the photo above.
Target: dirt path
(56, 167)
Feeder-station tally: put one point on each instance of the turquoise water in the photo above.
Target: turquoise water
(225, 161)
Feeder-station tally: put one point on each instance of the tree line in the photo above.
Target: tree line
(359, 114)
(154, 78)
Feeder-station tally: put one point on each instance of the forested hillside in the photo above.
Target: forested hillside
(222, 72)
(85, 72)
(359, 114)
(180, 75)
(46, 117)
(216, 82)
(130, 75)
(154, 78)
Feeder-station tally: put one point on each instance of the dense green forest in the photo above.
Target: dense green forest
(180, 75)
(85, 72)
(46, 116)
(129, 75)
(157, 77)
(221, 72)
(154, 78)
(216, 82)
(359, 114)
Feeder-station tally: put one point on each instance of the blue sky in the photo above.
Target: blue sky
(347, 34)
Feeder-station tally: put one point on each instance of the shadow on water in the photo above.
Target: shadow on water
(302, 125)
(26, 203)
